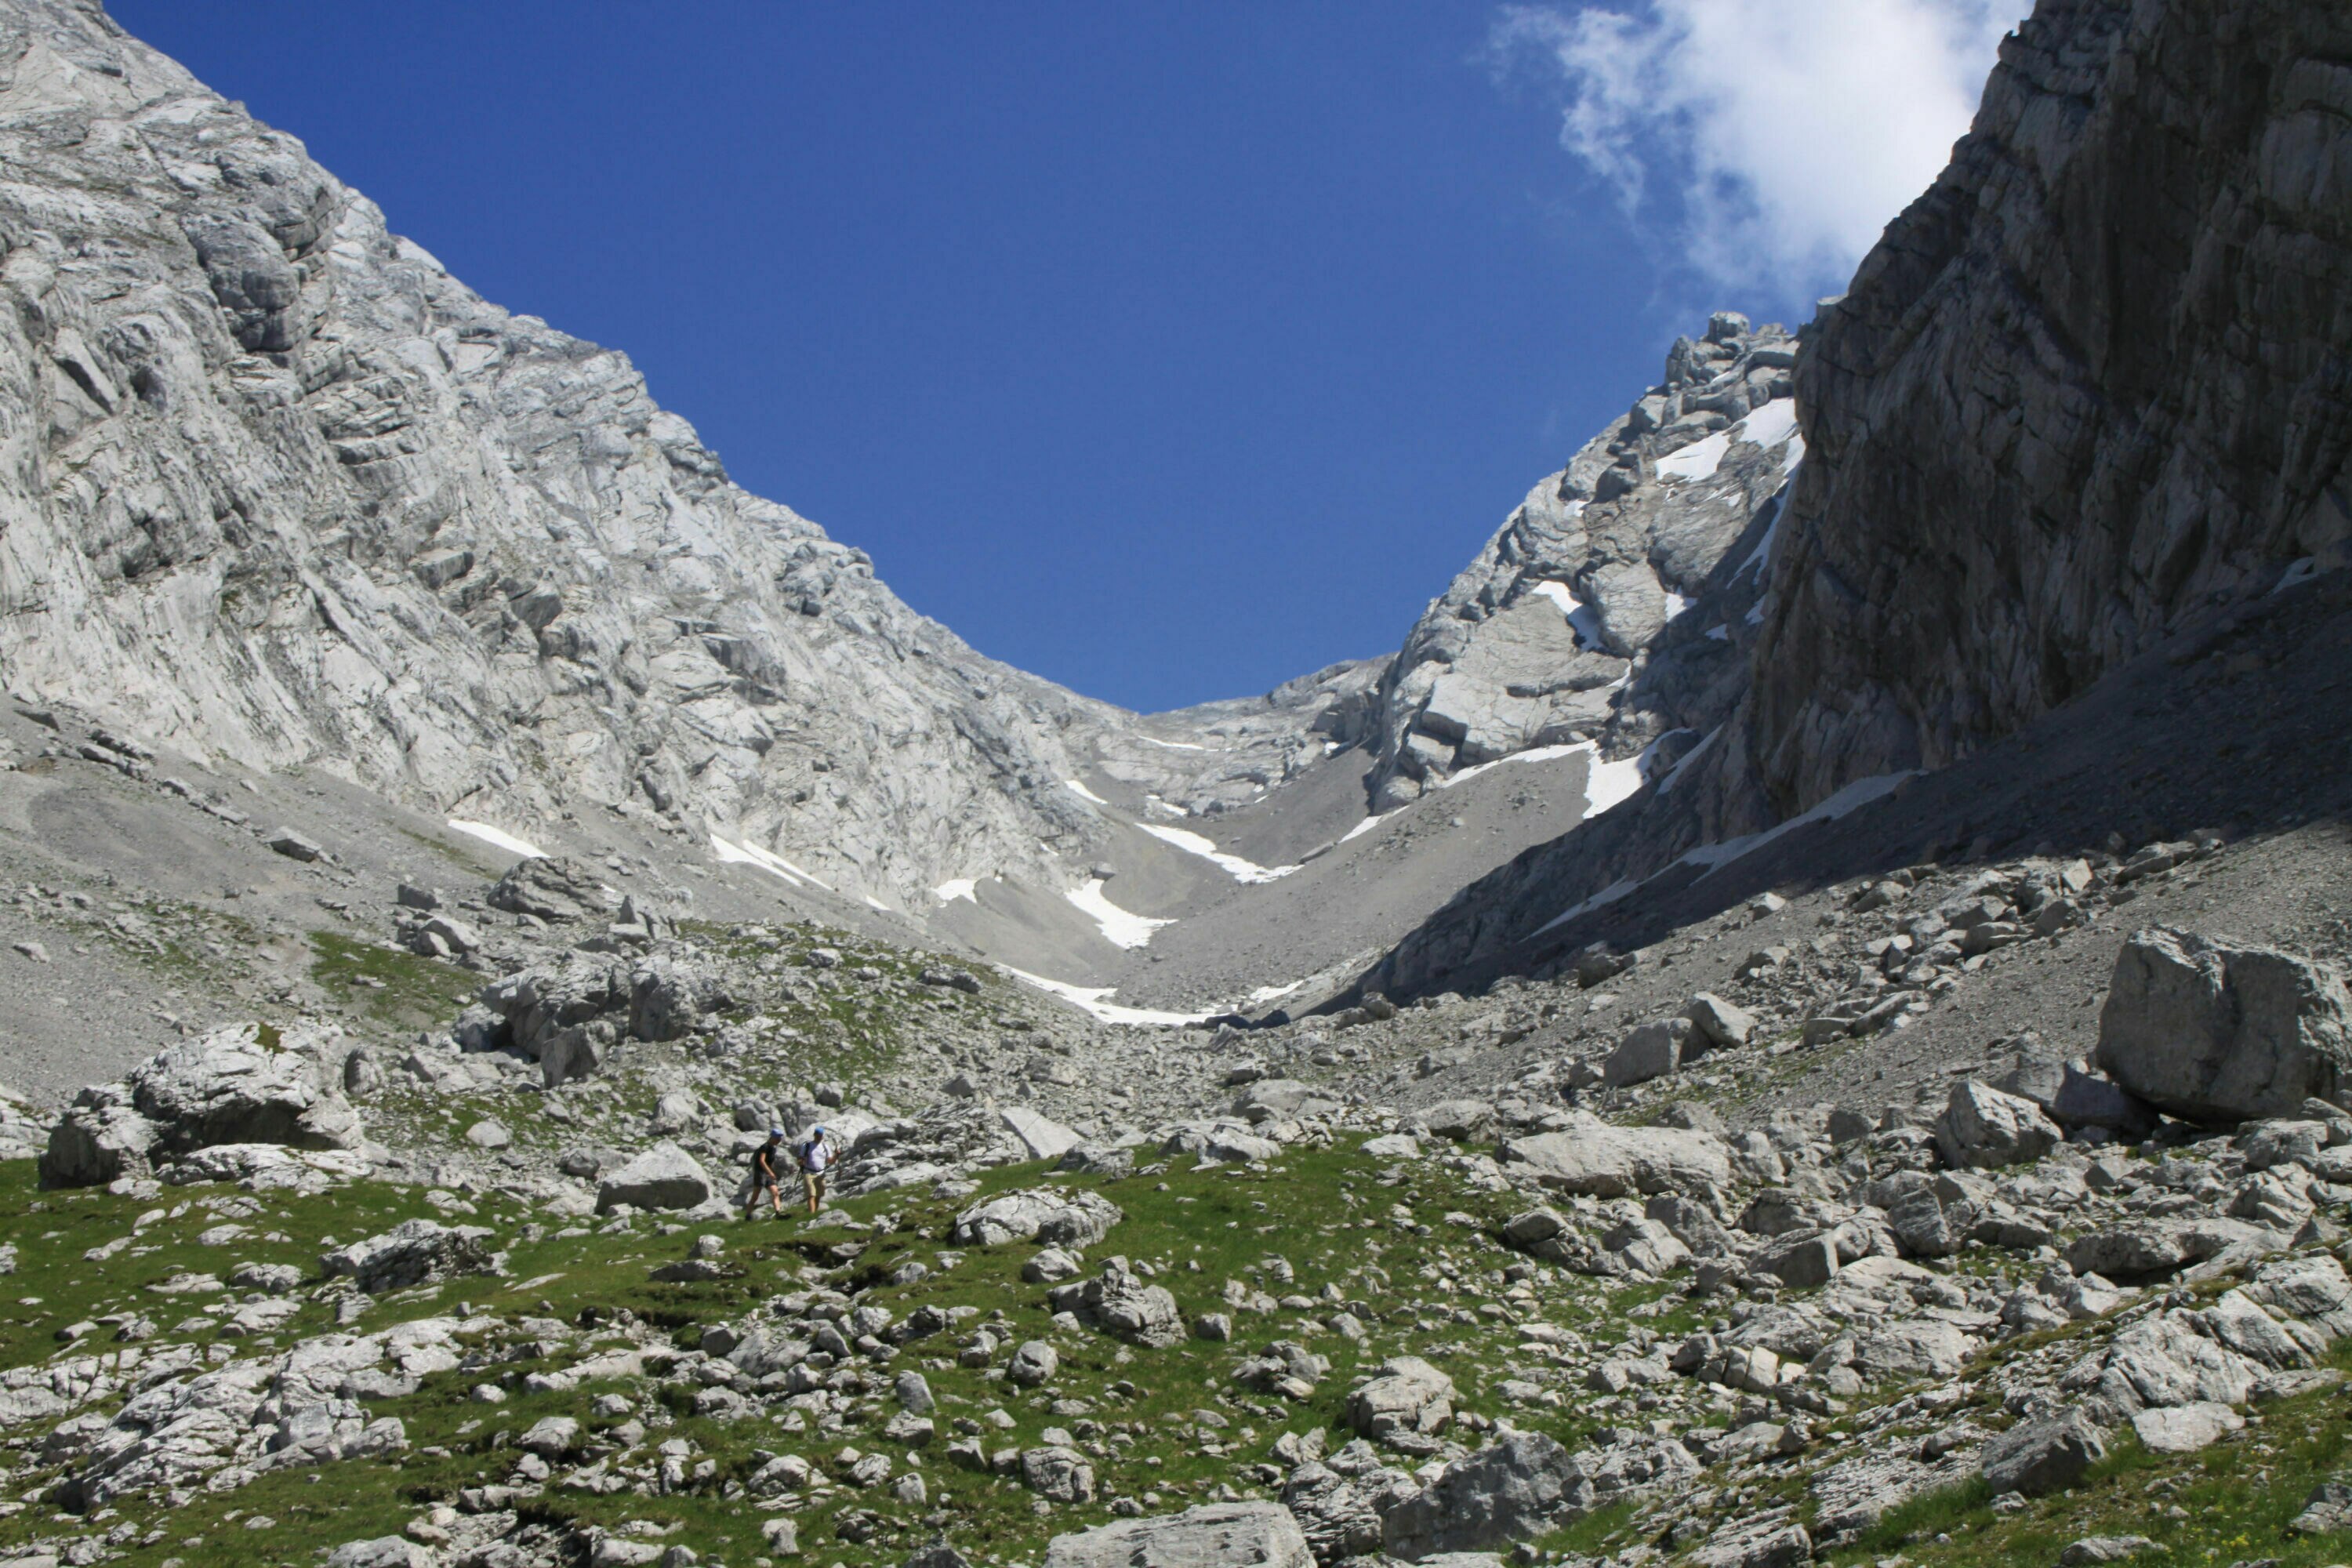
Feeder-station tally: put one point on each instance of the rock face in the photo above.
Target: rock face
(2224, 1034)
(414, 1252)
(2045, 334)
(1217, 1535)
(243, 1084)
(1078, 1218)
(290, 493)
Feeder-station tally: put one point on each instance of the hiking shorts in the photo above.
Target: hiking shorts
(815, 1180)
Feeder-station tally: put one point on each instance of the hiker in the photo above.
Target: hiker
(817, 1158)
(767, 1176)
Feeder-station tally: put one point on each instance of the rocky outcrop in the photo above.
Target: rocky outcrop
(1612, 605)
(1215, 1535)
(246, 1084)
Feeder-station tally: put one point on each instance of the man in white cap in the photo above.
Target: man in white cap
(816, 1159)
(766, 1177)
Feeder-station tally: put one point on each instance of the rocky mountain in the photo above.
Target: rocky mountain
(281, 491)
(2087, 396)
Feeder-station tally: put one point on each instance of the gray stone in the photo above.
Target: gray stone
(1407, 1396)
(383, 1551)
(1981, 1128)
(664, 1177)
(1034, 1362)
(2186, 1428)
(1216, 1535)
(2042, 1454)
(414, 1252)
(1724, 1024)
(1596, 1158)
(2220, 1033)
(1073, 1218)
(1650, 1051)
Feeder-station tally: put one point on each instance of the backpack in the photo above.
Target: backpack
(812, 1156)
(757, 1151)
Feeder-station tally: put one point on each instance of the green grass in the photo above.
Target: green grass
(399, 991)
(1310, 1209)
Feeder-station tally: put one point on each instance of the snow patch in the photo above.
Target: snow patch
(1095, 1000)
(1533, 755)
(733, 854)
(1119, 928)
(1715, 856)
(1153, 803)
(1767, 426)
(1082, 791)
(874, 903)
(1720, 634)
(1611, 785)
(1675, 604)
(1365, 826)
(1233, 865)
(2301, 570)
(1608, 895)
(1581, 617)
(1266, 994)
(1171, 745)
(499, 837)
(956, 888)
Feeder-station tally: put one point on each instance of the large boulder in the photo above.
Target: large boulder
(664, 1177)
(1285, 1099)
(554, 888)
(1124, 1306)
(2043, 1454)
(1216, 1535)
(2216, 1033)
(1593, 1157)
(1651, 1050)
(1075, 1218)
(415, 1252)
(668, 996)
(246, 1083)
(1409, 1396)
(1982, 1128)
(1512, 1488)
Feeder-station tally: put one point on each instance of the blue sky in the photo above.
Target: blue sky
(1169, 351)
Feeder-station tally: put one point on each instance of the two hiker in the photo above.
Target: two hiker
(814, 1157)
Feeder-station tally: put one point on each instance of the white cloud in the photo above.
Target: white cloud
(1770, 141)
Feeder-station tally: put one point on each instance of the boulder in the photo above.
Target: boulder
(414, 1252)
(1058, 1474)
(2186, 1428)
(553, 888)
(1032, 1364)
(1650, 1051)
(1593, 1157)
(1457, 1120)
(1286, 1098)
(1983, 1129)
(664, 1177)
(383, 1551)
(1076, 1219)
(1337, 1515)
(1516, 1486)
(1215, 1535)
(1409, 1396)
(1041, 1136)
(2042, 1454)
(1124, 1306)
(1723, 1025)
(2218, 1033)
(668, 996)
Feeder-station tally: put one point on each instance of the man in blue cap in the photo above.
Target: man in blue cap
(765, 1176)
